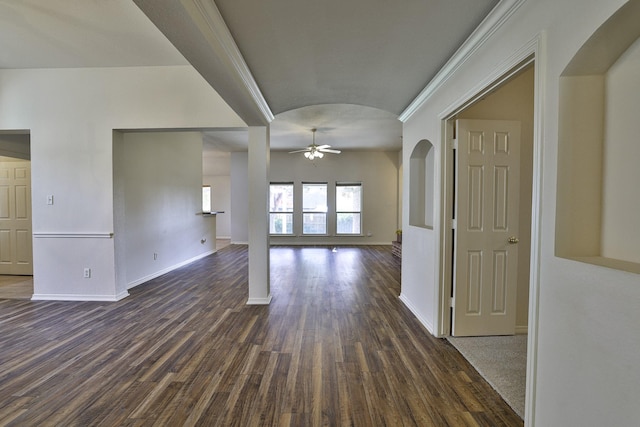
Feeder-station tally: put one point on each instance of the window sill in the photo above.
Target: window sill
(318, 235)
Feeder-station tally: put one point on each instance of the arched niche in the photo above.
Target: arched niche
(598, 203)
(421, 185)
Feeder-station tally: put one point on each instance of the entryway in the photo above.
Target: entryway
(488, 285)
(16, 240)
(502, 218)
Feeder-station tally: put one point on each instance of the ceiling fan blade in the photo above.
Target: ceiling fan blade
(322, 147)
(327, 150)
(299, 151)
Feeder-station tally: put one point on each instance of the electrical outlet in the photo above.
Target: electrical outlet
(87, 273)
(155, 256)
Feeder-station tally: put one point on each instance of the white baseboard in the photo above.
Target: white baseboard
(522, 330)
(421, 319)
(159, 273)
(79, 297)
(259, 301)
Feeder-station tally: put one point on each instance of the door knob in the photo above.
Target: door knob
(513, 240)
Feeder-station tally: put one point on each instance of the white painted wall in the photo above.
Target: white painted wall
(579, 189)
(240, 198)
(620, 195)
(163, 199)
(221, 201)
(259, 157)
(399, 190)
(71, 114)
(586, 353)
(378, 173)
(216, 170)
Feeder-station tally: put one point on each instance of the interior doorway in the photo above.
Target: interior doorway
(16, 237)
(511, 97)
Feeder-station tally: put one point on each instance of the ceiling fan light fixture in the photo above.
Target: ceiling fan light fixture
(315, 151)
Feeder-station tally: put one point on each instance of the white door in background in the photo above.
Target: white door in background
(486, 232)
(16, 254)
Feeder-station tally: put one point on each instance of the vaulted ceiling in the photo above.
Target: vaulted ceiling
(374, 53)
(347, 67)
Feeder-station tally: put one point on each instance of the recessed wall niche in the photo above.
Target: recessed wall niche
(421, 181)
(598, 202)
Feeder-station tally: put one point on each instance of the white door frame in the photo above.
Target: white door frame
(531, 53)
(13, 151)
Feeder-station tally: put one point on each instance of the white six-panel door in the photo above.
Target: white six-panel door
(16, 254)
(486, 231)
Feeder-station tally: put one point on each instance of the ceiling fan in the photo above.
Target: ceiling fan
(314, 151)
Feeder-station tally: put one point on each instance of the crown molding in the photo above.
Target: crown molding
(222, 42)
(517, 62)
(496, 18)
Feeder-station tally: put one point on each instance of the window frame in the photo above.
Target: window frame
(338, 212)
(288, 213)
(324, 213)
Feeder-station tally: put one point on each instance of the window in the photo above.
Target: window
(348, 208)
(314, 208)
(281, 208)
(206, 199)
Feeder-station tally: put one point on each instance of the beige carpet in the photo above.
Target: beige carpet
(502, 362)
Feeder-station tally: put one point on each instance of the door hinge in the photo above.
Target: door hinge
(454, 144)
(452, 302)
(454, 224)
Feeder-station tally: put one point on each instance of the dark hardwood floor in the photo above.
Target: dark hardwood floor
(336, 347)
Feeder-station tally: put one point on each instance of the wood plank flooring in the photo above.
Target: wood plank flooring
(336, 347)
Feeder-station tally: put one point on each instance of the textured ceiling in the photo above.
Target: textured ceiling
(377, 53)
(347, 68)
(80, 33)
(345, 127)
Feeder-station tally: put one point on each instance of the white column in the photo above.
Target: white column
(259, 285)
